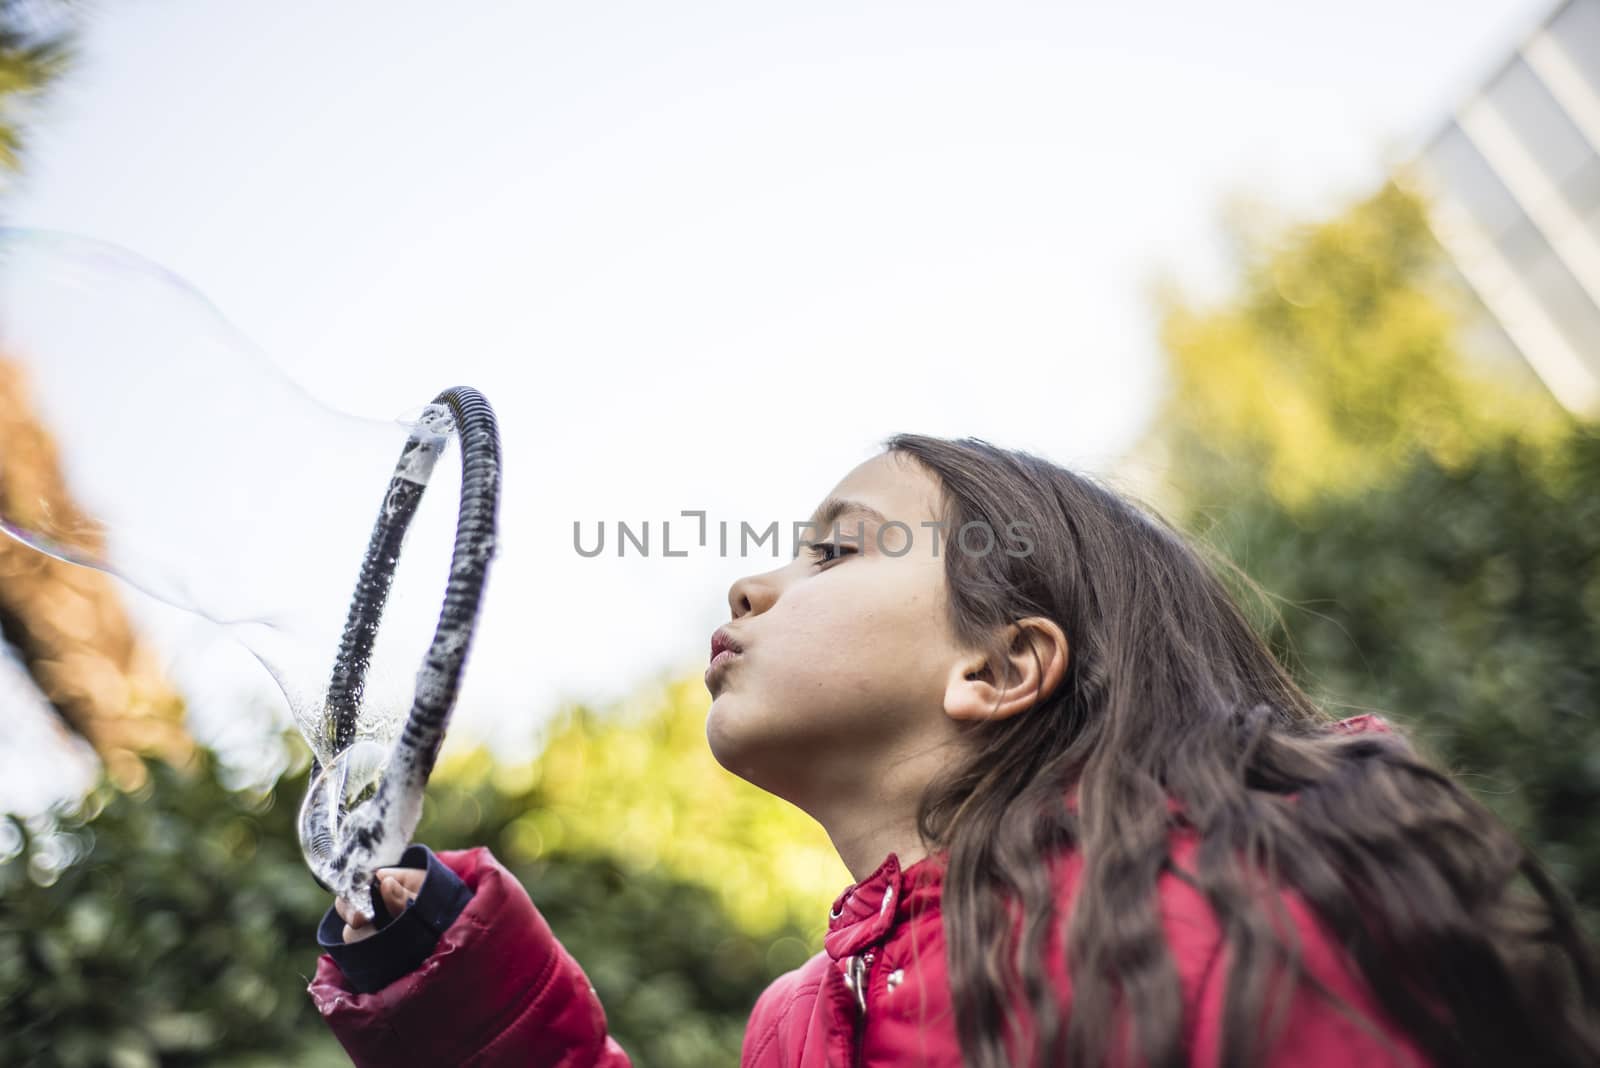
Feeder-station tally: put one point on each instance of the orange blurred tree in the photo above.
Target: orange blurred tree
(66, 623)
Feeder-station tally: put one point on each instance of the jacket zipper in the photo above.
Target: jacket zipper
(858, 981)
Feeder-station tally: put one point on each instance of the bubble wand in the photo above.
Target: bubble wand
(66, 301)
(344, 847)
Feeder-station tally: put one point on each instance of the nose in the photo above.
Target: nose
(753, 594)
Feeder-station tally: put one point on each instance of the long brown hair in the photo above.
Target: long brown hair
(1171, 693)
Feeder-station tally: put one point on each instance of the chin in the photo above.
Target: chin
(728, 733)
(719, 735)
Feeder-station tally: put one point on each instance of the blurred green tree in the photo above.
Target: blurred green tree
(1427, 522)
(639, 782)
(1335, 364)
(164, 926)
(1465, 602)
(176, 925)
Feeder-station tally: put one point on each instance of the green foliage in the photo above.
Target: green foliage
(1430, 525)
(682, 890)
(1464, 603)
(176, 926)
(172, 926)
(639, 782)
(1336, 364)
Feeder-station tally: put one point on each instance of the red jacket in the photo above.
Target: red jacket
(499, 989)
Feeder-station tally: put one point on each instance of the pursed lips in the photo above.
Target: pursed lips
(723, 650)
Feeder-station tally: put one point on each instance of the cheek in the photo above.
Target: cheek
(849, 647)
(813, 621)
(869, 647)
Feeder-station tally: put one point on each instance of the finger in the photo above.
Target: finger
(395, 896)
(353, 935)
(410, 878)
(348, 914)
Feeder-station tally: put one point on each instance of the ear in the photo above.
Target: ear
(980, 688)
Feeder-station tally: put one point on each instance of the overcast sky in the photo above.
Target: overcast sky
(708, 255)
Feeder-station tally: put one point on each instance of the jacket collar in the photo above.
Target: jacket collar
(863, 914)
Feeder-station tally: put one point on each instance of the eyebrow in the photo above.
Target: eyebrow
(833, 508)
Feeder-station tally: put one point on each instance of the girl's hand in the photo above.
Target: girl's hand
(398, 887)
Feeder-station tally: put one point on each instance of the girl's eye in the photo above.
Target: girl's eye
(838, 550)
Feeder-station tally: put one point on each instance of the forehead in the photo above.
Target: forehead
(895, 485)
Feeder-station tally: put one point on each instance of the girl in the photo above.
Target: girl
(1090, 818)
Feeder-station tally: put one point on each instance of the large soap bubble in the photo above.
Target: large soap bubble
(194, 470)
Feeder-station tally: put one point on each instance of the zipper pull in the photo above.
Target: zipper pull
(855, 978)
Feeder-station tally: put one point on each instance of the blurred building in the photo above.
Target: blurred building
(1514, 178)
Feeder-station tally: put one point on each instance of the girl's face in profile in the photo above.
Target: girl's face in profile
(847, 651)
